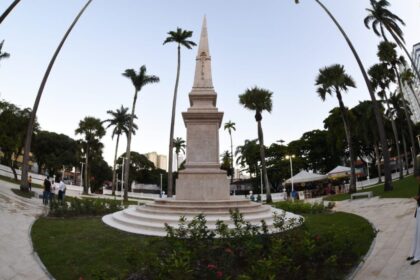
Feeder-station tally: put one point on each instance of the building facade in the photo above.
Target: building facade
(160, 161)
(412, 92)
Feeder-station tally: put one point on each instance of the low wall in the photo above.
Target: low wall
(6, 171)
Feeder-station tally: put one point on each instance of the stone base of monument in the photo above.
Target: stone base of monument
(150, 219)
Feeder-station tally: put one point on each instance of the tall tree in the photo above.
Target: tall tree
(396, 99)
(229, 126)
(29, 130)
(3, 55)
(92, 130)
(381, 78)
(376, 108)
(225, 164)
(121, 122)
(366, 129)
(139, 80)
(387, 54)
(248, 156)
(334, 80)
(181, 38)
(179, 146)
(8, 10)
(259, 100)
(13, 121)
(380, 15)
(408, 78)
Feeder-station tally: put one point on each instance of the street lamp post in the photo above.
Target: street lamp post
(261, 185)
(161, 195)
(289, 157)
(81, 174)
(122, 177)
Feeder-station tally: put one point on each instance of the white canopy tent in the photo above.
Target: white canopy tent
(339, 171)
(305, 177)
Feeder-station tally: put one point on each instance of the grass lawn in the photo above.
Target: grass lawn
(405, 188)
(75, 247)
(355, 226)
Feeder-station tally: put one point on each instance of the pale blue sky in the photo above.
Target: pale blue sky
(272, 44)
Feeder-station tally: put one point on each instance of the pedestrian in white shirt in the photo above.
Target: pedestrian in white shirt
(61, 190)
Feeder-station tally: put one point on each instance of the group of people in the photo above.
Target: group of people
(51, 189)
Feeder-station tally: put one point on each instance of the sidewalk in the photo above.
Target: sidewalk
(394, 220)
(17, 259)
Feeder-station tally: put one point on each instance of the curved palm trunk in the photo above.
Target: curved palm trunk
(30, 129)
(8, 10)
(405, 153)
(171, 134)
(378, 115)
(410, 127)
(264, 168)
(128, 151)
(114, 172)
(347, 130)
(378, 163)
(396, 137)
(231, 160)
(402, 45)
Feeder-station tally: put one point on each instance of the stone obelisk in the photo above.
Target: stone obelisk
(202, 178)
(202, 188)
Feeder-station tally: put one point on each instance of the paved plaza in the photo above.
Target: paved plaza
(394, 220)
(17, 214)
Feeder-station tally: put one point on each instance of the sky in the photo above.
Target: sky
(276, 45)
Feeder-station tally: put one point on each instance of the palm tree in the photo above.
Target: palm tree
(381, 77)
(8, 10)
(259, 100)
(179, 145)
(380, 16)
(388, 55)
(396, 100)
(139, 80)
(30, 129)
(3, 55)
(330, 80)
(229, 126)
(181, 38)
(121, 122)
(248, 155)
(376, 108)
(93, 131)
(407, 78)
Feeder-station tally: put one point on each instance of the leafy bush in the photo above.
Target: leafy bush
(74, 206)
(300, 207)
(192, 251)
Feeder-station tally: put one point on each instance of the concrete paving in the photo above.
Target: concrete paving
(17, 258)
(394, 220)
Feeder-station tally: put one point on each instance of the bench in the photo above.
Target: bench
(368, 194)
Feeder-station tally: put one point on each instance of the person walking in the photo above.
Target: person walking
(415, 256)
(61, 191)
(47, 191)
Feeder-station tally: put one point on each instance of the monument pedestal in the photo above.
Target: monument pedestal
(202, 185)
(150, 219)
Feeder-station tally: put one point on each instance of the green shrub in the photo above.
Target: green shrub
(300, 207)
(192, 251)
(73, 206)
